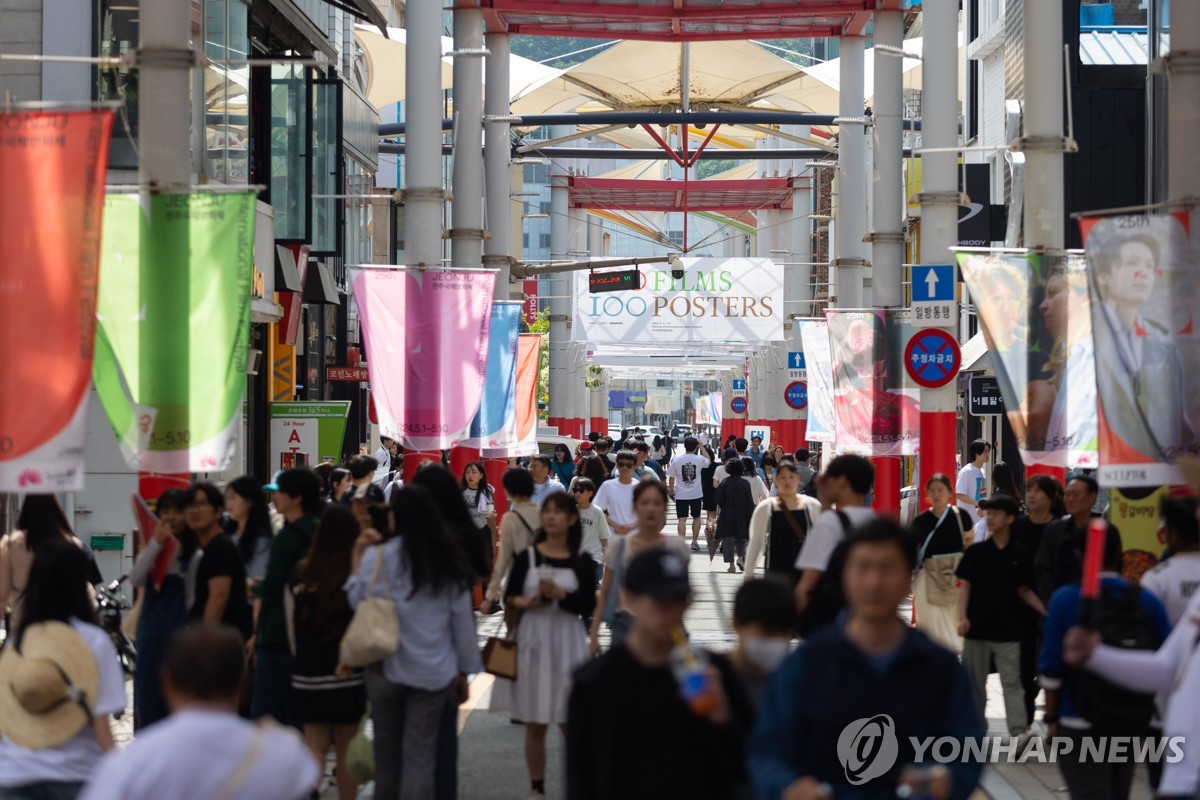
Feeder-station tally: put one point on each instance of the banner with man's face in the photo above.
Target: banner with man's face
(1143, 288)
(1034, 312)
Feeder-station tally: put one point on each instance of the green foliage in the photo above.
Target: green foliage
(706, 169)
(541, 325)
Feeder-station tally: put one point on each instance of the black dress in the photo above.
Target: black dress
(318, 695)
(706, 481)
(785, 544)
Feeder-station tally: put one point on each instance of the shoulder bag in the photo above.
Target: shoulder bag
(941, 583)
(500, 653)
(374, 632)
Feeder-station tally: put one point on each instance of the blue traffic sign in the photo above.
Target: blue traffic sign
(932, 357)
(796, 361)
(738, 405)
(933, 283)
(796, 395)
(739, 384)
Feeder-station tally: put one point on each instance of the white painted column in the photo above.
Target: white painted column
(559, 287)
(497, 248)
(851, 202)
(423, 195)
(1043, 136)
(466, 235)
(1183, 97)
(887, 246)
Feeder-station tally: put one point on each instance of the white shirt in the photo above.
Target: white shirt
(758, 488)
(197, 753)
(595, 528)
(383, 464)
(719, 475)
(616, 498)
(1174, 582)
(480, 505)
(826, 534)
(542, 491)
(74, 760)
(972, 483)
(686, 471)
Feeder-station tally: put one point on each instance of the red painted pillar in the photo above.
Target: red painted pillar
(598, 424)
(887, 486)
(939, 442)
(415, 458)
(460, 457)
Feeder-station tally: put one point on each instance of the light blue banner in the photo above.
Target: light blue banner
(494, 422)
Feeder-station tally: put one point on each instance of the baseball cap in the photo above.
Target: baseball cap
(1001, 502)
(585, 446)
(660, 574)
(273, 486)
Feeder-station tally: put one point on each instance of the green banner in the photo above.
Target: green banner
(173, 323)
(304, 434)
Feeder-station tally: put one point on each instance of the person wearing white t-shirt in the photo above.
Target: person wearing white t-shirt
(971, 486)
(684, 484)
(615, 497)
(1175, 581)
(593, 521)
(846, 483)
(204, 749)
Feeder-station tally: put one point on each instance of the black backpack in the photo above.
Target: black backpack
(1113, 711)
(826, 600)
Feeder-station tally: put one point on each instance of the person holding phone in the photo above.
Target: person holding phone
(552, 585)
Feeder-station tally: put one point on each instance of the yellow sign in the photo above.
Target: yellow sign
(1136, 515)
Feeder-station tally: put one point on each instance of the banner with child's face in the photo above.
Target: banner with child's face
(1034, 312)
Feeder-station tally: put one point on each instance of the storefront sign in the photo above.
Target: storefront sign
(717, 300)
(984, 397)
(305, 434)
(358, 374)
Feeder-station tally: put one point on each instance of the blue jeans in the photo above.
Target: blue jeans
(273, 686)
(408, 723)
(48, 790)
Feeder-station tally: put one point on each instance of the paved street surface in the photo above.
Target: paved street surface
(491, 756)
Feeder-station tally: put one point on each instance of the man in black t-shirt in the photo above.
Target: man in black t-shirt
(996, 577)
(221, 576)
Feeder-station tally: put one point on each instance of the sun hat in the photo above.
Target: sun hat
(47, 689)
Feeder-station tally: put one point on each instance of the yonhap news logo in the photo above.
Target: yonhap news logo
(868, 748)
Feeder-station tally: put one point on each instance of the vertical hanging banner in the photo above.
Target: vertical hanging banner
(528, 364)
(1143, 288)
(52, 167)
(815, 336)
(1035, 315)
(875, 410)
(426, 336)
(174, 321)
(494, 426)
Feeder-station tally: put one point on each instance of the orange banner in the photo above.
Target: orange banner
(528, 352)
(52, 168)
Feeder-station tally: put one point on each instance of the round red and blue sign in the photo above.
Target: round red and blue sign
(796, 395)
(932, 357)
(738, 405)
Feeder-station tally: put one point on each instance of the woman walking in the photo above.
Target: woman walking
(709, 500)
(48, 751)
(251, 524)
(944, 531)
(41, 522)
(339, 482)
(429, 582)
(516, 532)
(650, 506)
(480, 499)
(780, 525)
(328, 705)
(562, 464)
(164, 603)
(551, 585)
(735, 507)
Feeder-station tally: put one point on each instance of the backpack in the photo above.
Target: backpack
(1113, 711)
(826, 600)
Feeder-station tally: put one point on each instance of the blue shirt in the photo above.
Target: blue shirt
(757, 454)
(1063, 613)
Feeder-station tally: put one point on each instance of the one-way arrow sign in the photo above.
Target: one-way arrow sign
(933, 283)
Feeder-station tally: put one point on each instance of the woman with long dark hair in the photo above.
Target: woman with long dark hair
(250, 525)
(427, 578)
(1044, 504)
(339, 482)
(481, 500)
(475, 544)
(735, 508)
(165, 603)
(328, 706)
(551, 583)
(57, 592)
(594, 469)
(709, 500)
(562, 464)
(1003, 482)
(943, 530)
(41, 522)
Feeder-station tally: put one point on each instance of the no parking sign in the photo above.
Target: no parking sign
(932, 358)
(796, 395)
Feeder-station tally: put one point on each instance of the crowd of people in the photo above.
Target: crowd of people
(247, 597)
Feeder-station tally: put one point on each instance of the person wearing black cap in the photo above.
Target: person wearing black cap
(996, 576)
(630, 733)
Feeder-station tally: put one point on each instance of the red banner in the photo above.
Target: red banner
(52, 167)
(529, 288)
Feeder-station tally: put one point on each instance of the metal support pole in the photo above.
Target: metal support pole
(887, 240)
(423, 194)
(165, 58)
(1043, 136)
(939, 210)
(559, 286)
(851, 204)
(1183, 112)
(798, 289)
(497, 249)
(466, 182)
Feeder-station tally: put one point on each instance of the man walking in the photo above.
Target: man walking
(971, 486)
(845, 676)
(544, 484)
(683, 483)
(1055, 563)
(615, 497)
(996, 576)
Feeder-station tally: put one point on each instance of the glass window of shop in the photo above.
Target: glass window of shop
(360, 219)
(291, 157)
(327, 167)
(117, 35)
(226, 91)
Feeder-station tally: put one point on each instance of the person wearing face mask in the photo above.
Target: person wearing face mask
(764, 619)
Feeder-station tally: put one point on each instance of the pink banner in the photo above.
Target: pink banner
(426, 340)
(51, 200)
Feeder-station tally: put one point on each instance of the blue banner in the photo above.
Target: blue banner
(497, 408)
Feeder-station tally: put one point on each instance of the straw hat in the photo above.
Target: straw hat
(47, 690)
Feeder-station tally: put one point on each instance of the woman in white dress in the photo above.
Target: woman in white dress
(943, 532)
(551, 584)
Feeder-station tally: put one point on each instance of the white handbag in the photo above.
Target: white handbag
(374, 632)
